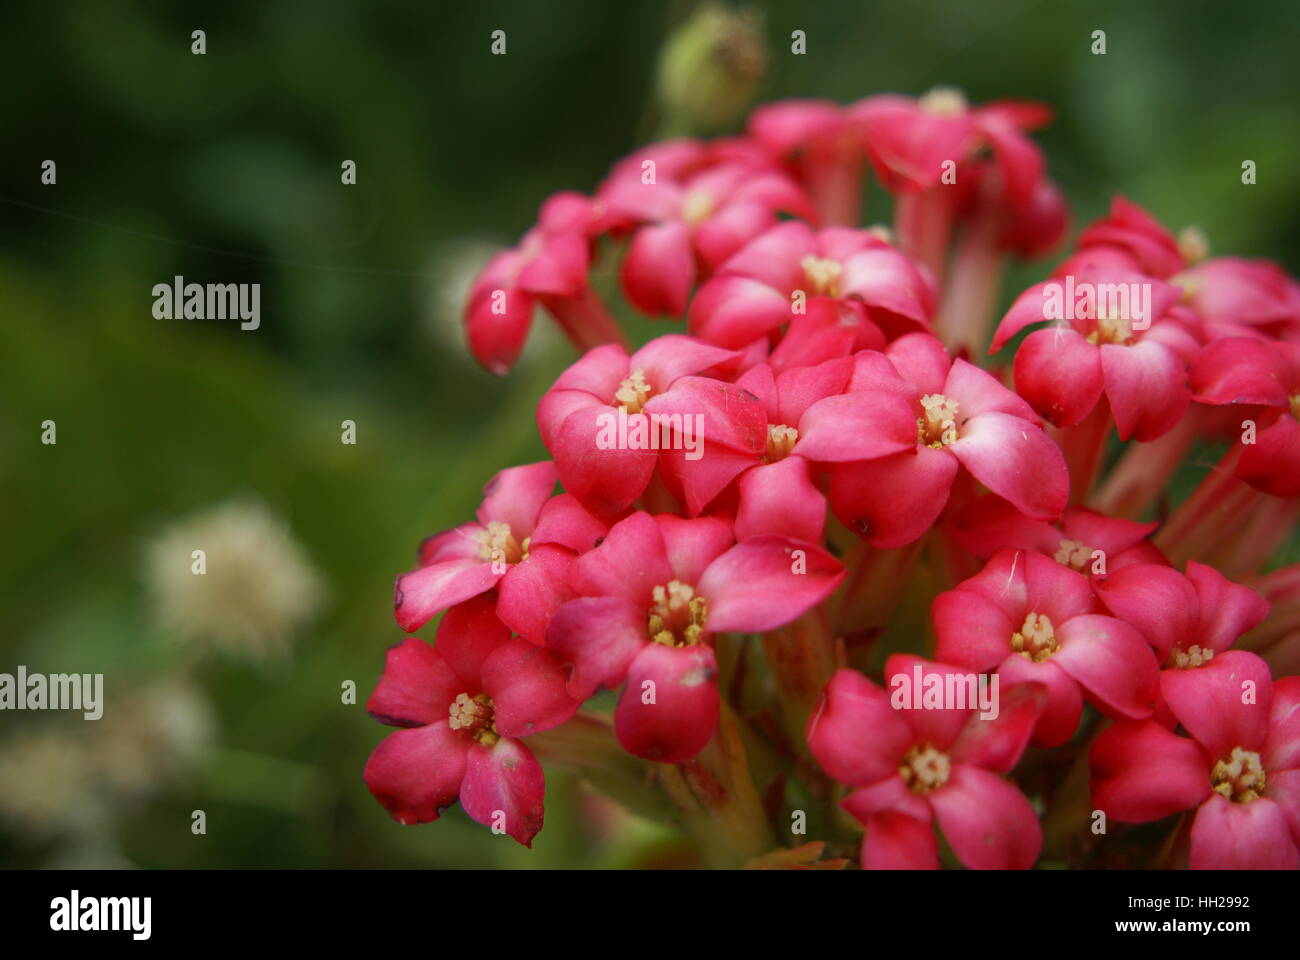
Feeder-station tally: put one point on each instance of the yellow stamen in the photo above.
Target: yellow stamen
(822, 276)
(1194, 656)
(938, 427)
(1073, 554)
(497, 544)
(677, 616)
(1193, 244)
(633, 392)
(697, 207)
(1036, 640)
(1240, 776)
(474, 716)
(780, 441)
(924, 769)
(944, 102)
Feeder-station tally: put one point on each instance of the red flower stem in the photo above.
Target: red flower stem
(966, 315)
(875, 587)
(585, 320)
(586, 745)
(716, 799)
(1143, 470)
(1209, 516)
(923, 223)
(1083, 445)
(1281, 588)
(1270, 522)
(802, 658)
(835, 183)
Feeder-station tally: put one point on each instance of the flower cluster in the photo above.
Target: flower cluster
(814, 558)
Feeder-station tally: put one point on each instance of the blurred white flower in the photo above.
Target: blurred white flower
(70, 778)
(150, 736)
(47, 784)
(257, 588)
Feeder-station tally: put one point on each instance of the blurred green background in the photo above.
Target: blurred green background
(225, 168)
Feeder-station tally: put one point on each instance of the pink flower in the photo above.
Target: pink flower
(522, 544)
(822, 144)
(911, 418)
(753, 293)
(912, 766)
(466, 703)
(1030, 228)
(579, 417)
(1033, 619)
(909, 140)
(774, 486)
(1083, 540)
(549, 265)
(649, 599)
(829, 328)
(1136, 236)
(1240, 768)
(690, 209)
(1136, 351)
(1243, 298)
(1187, 619)
(1265, 379)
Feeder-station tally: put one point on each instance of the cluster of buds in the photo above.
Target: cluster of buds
(811, 560)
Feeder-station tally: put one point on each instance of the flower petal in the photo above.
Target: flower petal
(997, 743)
(857, 426)
(734, 311)
(504, 788)
(894, 500)
(467, 634)
(1227, 609)
(1146, 384)
(533, 589)
(416, 688)
(766, 583)
(416, 774)
(780, 499)
(691, 545)
(599, 636)
(659, 269)
(1282, 750)
(1141, 771)
(516, 494)
(896, 841)
(971, 630)
(851, 706)
(1208, 701)
(988, 823)
(630, 562)
(669, 706)
(422, 594)
(1017, 461)
(1111, 660)
(528, 689)
(1059, 373)
(1064, 704)
(1156, 599)
(1241, 836)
